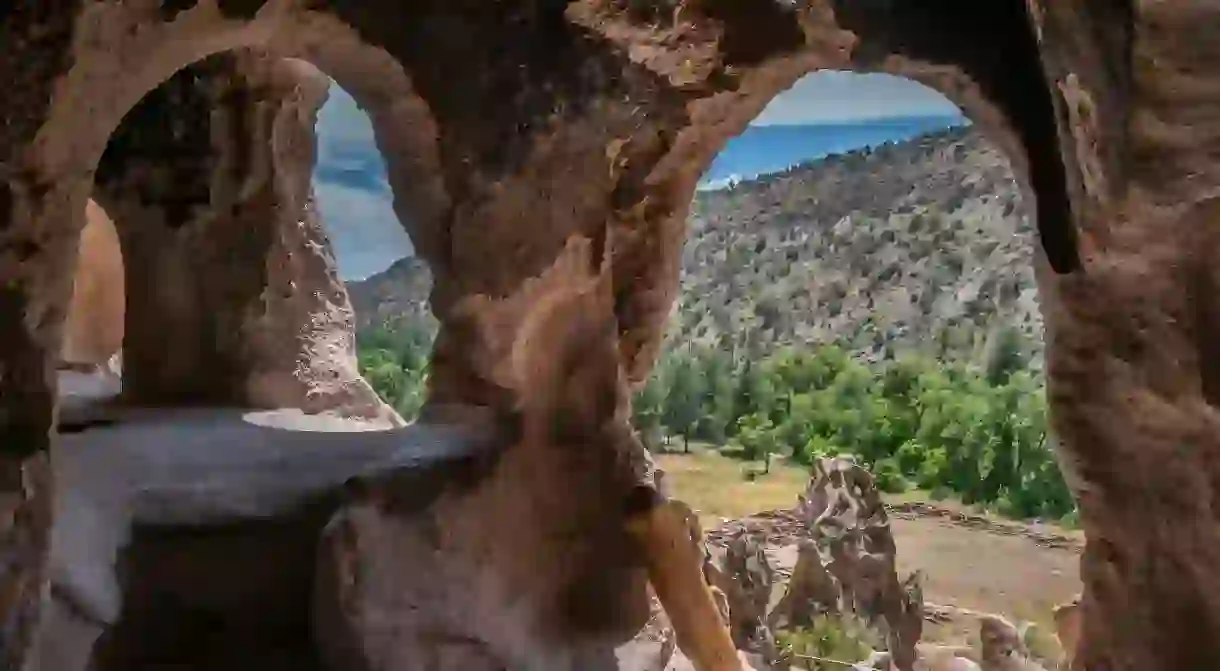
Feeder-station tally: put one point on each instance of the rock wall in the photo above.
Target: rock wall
(93, 327)
(557, 221)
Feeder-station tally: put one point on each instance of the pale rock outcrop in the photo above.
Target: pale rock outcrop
(843, 509)
(93, 327)
(1067, 629)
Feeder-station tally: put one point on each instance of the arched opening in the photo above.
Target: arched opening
(858, 278)
(239, 352)
(387, 283)
(229, 250)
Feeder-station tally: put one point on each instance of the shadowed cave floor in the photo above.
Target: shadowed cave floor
(187, 538)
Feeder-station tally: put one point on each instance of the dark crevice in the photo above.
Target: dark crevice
(162, 151)
(1203, 296)
(240, 9)
(26, 402)
(170, 9)
(755, 31)
(85, 425)
(6, 205)
(752, 31)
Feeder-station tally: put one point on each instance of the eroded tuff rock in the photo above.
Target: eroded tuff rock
(845, 569)
(1067, 629)
(851, 529)
(742, 574)
(93, 327)
(605, 113)
(418, 570)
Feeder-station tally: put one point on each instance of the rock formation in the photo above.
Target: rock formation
(1003, 647)
(546, 154)
(843, 508)
(744, 576)
(845, 570)
(1067, 629)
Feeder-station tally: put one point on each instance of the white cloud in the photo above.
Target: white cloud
(359, 217)
(831, 96)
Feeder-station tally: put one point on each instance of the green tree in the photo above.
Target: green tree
(758, 439)
(394, 359)
(717, 402)
(648, 408)
(1004, 355)
(948, 427)
(684, 399)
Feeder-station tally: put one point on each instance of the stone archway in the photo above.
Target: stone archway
(234, 295)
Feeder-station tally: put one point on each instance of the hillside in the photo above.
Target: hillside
(400, 291)
(920, 244)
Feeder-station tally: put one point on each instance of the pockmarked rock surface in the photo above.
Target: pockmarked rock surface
(557, 221)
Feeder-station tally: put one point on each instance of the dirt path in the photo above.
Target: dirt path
(984, 571)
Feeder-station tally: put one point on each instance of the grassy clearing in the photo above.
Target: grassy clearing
(717, 487)
(720, 487)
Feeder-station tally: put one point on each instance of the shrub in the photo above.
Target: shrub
(842, 638)
(940, 493)
(889, 477)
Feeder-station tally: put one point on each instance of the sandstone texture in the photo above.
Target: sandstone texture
(93, 329)
(545, 155)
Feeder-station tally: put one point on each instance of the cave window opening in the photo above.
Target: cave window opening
(176, 186)
(858, 279)
(387, 283)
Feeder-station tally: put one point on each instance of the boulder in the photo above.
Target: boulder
(851, 534)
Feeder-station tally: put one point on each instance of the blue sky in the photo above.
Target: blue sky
(356, 203)
(832, 96)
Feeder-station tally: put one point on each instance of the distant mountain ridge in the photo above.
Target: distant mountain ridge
(923, 244)
(398, 292)
(761, 150)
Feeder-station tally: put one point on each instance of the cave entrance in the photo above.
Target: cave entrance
(240, 228)
(858, 278)
(234, 208)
